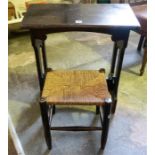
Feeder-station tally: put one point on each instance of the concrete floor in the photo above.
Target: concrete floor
(77, 50)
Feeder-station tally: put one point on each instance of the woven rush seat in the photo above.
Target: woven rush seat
(86, 87)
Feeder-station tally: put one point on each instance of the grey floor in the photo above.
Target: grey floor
(77, 50)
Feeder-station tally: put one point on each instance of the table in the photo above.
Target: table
(114, 19)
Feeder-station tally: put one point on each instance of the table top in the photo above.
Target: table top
(44, 16)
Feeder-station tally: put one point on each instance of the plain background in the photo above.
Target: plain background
(4, 78)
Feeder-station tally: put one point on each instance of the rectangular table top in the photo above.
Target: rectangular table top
(45, 16)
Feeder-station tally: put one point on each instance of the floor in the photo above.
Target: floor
(77, 50)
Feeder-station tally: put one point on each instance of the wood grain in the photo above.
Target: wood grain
(85, 87)
(79, 15)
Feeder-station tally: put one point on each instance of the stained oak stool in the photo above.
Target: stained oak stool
(85, 87)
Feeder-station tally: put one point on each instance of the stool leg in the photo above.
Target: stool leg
(143, 61)
(106, 119)
(45, 121)
(53, 110)
(113, 108)
(97, 110)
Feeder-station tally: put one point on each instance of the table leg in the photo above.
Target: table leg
(116, 66)
(143, 61)
(140, 43)
(39, 66)
(122, 46)
(44, 56)
(115, 49)
(41, 60)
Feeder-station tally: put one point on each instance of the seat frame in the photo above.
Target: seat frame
(48, 111)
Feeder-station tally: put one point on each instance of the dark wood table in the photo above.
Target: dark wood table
(114, 19)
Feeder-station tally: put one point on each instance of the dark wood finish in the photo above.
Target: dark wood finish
(102, 20)
(76, 128)
(97, 110)
(141, 14)
(140, 44)
(37, 45)
(143, 61)
(105, 123)
(54, 109)
(44, 113)
(81, 87)
(114, 75)
(51, 112)
(114, 58)
(96, 16)
(140, 10)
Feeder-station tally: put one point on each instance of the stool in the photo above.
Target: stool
(85, 87)
(140, 10)
(141, 14)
